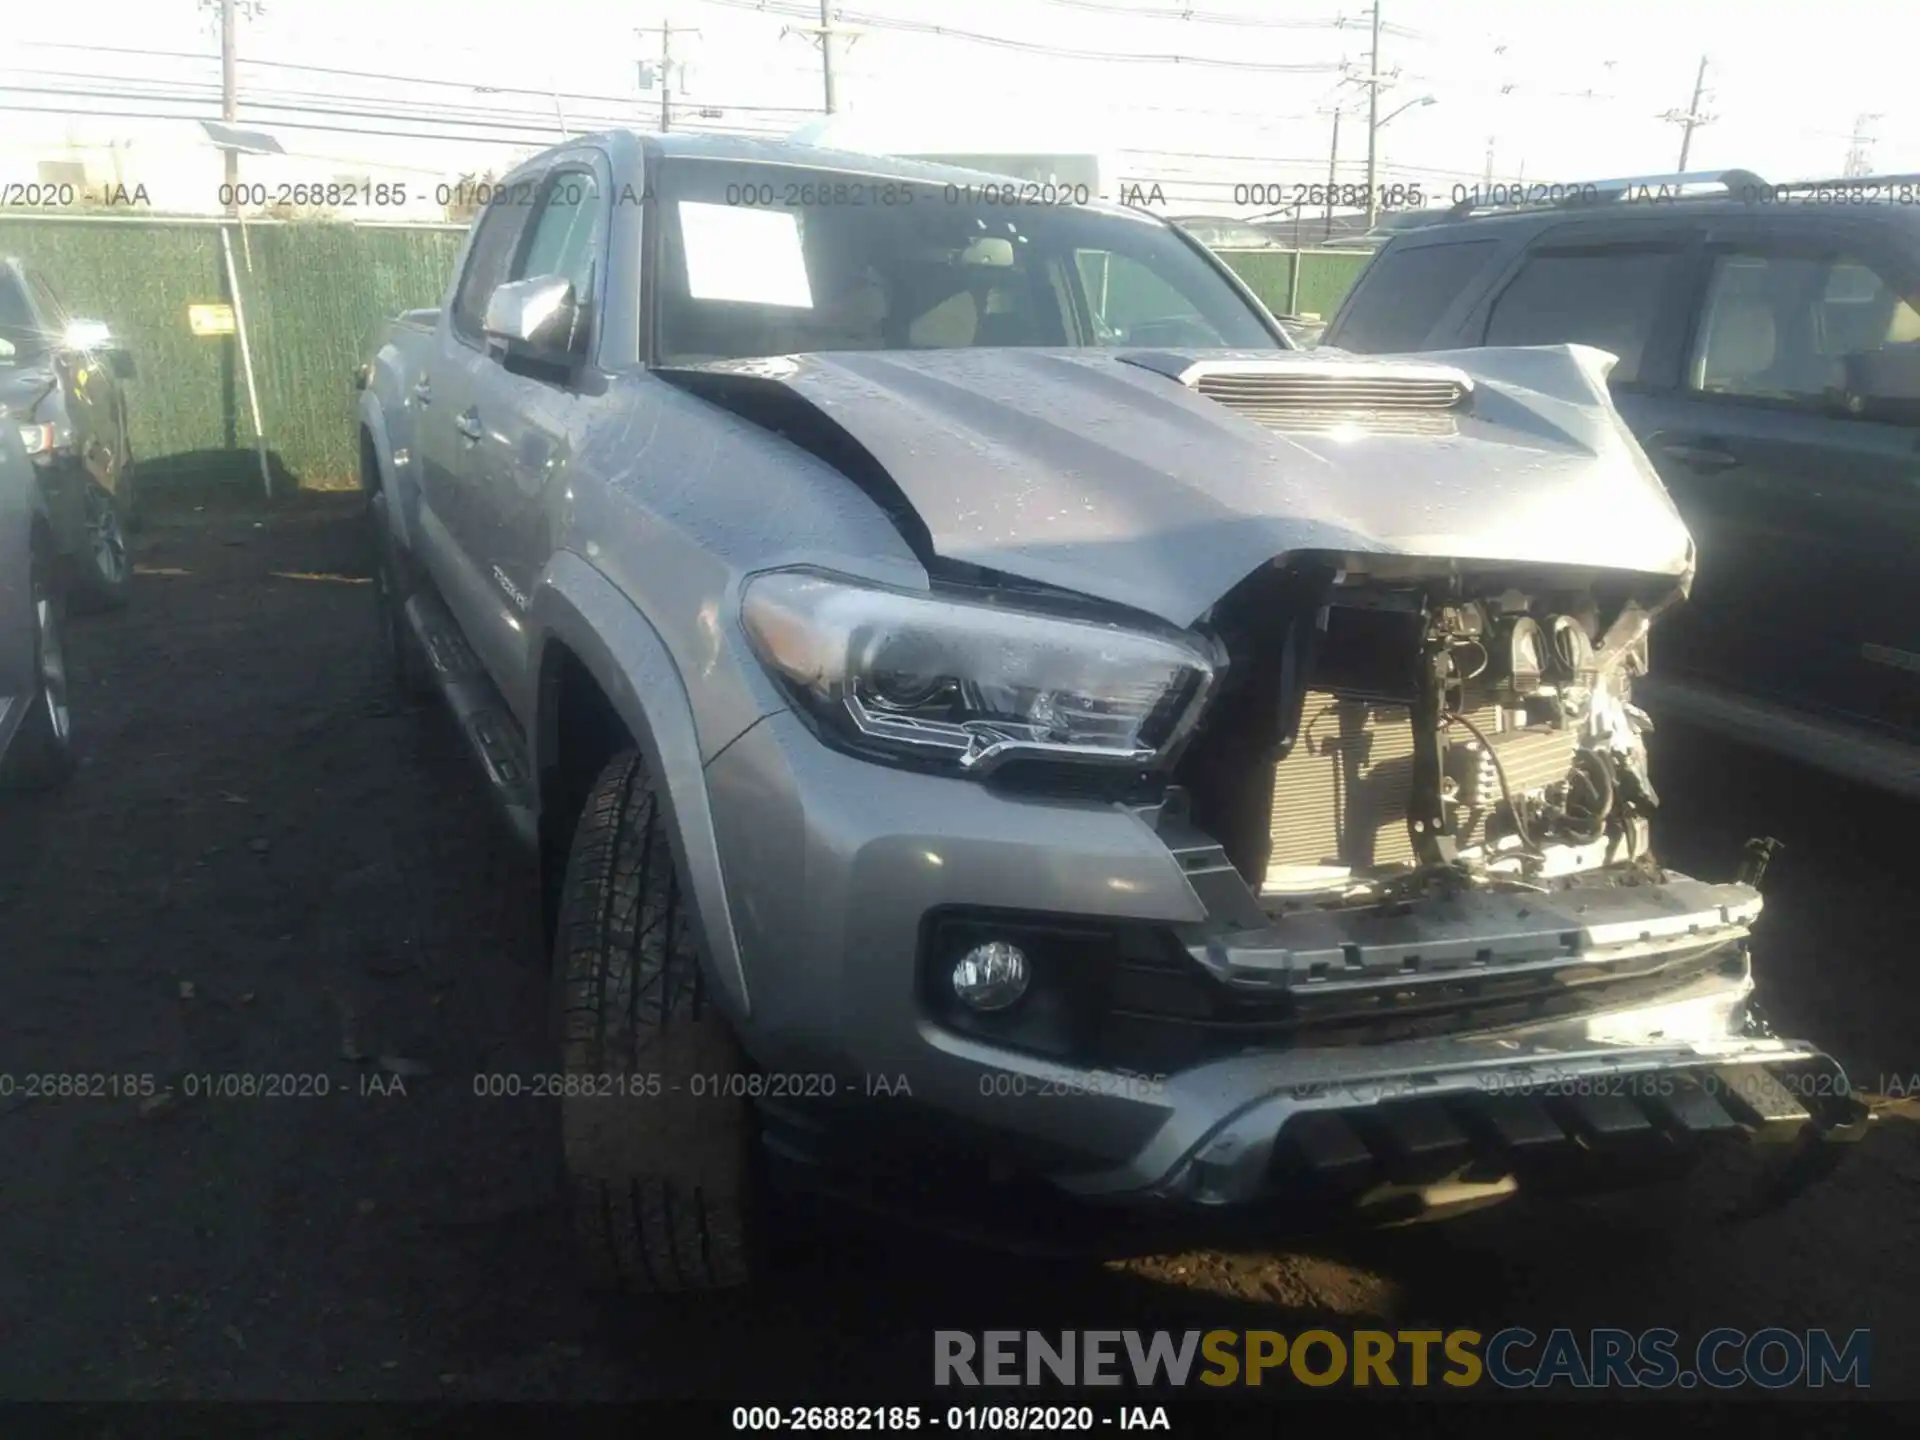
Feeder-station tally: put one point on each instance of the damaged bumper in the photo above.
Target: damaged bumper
(1187, 1054)
(1594, 1036)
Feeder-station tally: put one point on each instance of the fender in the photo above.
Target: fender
(396, 481)
(579, 607)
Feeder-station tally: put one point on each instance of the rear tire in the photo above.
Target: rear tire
(41, 755)
(665, 1193)
(400, 648)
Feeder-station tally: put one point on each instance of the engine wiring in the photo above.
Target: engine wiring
(1597, 770)
(1527, 842)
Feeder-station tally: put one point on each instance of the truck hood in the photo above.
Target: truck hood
(1111, 474)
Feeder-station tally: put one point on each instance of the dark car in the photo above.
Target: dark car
(60, 389)
(36, 730)
(1767, 356)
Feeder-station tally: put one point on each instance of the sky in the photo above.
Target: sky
(1240, 92)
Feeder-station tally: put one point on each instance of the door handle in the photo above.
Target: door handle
(1707, 456)
(422, 393)
(469, 425)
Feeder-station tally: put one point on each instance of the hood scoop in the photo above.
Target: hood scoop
(1317, 394)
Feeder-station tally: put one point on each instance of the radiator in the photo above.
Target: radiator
(1340, 797)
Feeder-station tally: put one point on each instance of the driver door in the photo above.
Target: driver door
(531, 420)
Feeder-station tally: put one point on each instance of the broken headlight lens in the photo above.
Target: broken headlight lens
(970, 683)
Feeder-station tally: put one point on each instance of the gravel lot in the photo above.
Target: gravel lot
(262, 867)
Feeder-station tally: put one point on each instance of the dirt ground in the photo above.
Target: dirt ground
(264, 867)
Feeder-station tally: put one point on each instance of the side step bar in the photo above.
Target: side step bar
(491, 730)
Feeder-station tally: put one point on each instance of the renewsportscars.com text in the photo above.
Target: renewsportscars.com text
(1515, 1358)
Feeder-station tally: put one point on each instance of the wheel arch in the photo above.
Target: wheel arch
(605, 677)
(379, 474)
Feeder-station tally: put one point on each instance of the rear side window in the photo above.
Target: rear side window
(1609, 299)
(1405, 292)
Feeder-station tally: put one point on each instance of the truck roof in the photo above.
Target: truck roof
(676, 145)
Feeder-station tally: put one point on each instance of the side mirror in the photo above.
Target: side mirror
(538, 317)
(1884, 384)
(120, 362)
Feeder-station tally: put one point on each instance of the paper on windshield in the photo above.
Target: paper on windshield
(740, 254)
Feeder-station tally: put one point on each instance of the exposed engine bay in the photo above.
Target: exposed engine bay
(1385, 735)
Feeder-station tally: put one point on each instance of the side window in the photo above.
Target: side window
(1403, 293)
(56, 313)
(1128, 301)
(1780, 326)
(566, 233)
(1609, 299)
(488, 257)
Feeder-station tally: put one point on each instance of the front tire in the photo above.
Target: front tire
(663, 1187)
(102, 576)
(41, 755)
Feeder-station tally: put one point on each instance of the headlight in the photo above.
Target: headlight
(969, 683)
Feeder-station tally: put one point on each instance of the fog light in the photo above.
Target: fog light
(991, 976)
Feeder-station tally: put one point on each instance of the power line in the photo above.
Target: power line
(409, 80)
(1216, 17)
(921, 27)
(416, 81)
(543, 130)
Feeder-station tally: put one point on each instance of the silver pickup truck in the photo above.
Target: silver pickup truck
(1009, 740)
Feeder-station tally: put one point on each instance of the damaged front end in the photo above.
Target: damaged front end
(1356, 641)
(1419, 811)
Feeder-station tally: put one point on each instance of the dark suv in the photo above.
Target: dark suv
(1767, 344)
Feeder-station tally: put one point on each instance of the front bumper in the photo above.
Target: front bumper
(1568, 1040)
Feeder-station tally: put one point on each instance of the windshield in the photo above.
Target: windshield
(765, 260)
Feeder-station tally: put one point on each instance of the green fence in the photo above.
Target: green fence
(314, 296)
(313, 293)
(1325, 277)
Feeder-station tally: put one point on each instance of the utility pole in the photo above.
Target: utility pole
(1373, 117)
(666, 32)
(826, 54)
(828, 32)
(1333, 173)
(1489, 175)
(1859, 156)
(1692, 119)
(666, 76)
(229, 102)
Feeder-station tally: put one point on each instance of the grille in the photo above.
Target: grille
(1299, 420)
(1340, 797)
(1167, 1015)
